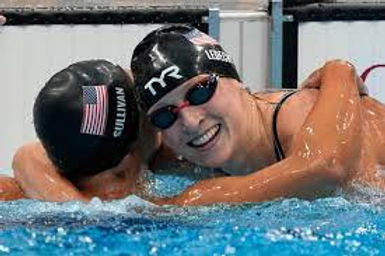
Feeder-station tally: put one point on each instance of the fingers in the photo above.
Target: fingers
(362, 88)
(3, 20)
(313, 81)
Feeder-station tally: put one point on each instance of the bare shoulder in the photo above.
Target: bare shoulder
(303, 98)
(271, 96)
(298, 106)
(31, 146)
(293, 114)
(29, 150)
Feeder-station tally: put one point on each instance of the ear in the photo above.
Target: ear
(129, 74)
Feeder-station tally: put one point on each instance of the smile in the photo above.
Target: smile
(205, 138)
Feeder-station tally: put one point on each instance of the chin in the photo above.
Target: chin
(217, 157)
(216, 161)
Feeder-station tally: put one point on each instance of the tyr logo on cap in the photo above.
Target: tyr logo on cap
(172, 71)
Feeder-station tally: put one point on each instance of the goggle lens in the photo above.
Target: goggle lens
(199, 94)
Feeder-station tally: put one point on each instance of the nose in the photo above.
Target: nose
(190, 117)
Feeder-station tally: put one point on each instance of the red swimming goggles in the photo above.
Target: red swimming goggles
(199, 94)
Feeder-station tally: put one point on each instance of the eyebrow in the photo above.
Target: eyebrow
(198, 81)
(162, 105)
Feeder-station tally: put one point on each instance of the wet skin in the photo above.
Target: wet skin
(9, 189)
(39, 179)
(337, 142)
(335, 138)
(242, 143)
(205, 134)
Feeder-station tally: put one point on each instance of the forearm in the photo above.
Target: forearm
(292, 177)
(48, 185)
(9, 189)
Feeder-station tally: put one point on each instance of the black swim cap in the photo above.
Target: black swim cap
(173, 54)
(86, 117)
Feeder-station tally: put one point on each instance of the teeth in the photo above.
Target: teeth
(205, 137)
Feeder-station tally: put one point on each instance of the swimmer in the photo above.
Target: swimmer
(306, 143)
(87, 122)
(251, 137)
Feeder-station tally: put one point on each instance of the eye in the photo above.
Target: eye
(202, 92)
(163, 118)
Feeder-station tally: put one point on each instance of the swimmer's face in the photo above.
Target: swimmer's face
(205, 134)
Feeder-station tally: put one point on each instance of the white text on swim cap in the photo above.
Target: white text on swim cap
(218, 55)
(120, 112)
(172, 71)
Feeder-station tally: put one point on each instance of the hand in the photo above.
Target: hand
(362, 88)
(3, 20)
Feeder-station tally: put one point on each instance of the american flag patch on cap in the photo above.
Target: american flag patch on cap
(95, 110)
(199, 38)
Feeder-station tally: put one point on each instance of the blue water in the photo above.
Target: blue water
(329, 226)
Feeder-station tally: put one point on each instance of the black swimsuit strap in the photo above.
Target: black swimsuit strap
(279, 154)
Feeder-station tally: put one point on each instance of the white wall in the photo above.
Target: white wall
(30, 55)
(360, 42)
(246, 37)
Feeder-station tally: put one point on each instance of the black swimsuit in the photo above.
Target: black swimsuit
(279, 154)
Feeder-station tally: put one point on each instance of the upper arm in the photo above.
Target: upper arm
(39, 178)
(30, 159)
(333, 127)
(29, 153)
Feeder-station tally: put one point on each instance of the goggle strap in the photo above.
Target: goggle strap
(182, 105)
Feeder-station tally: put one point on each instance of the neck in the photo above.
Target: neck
(257, 148)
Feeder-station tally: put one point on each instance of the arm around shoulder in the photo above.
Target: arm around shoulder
(323, 153)
(39, 178)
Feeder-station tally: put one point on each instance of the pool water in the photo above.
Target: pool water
(132, 226)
